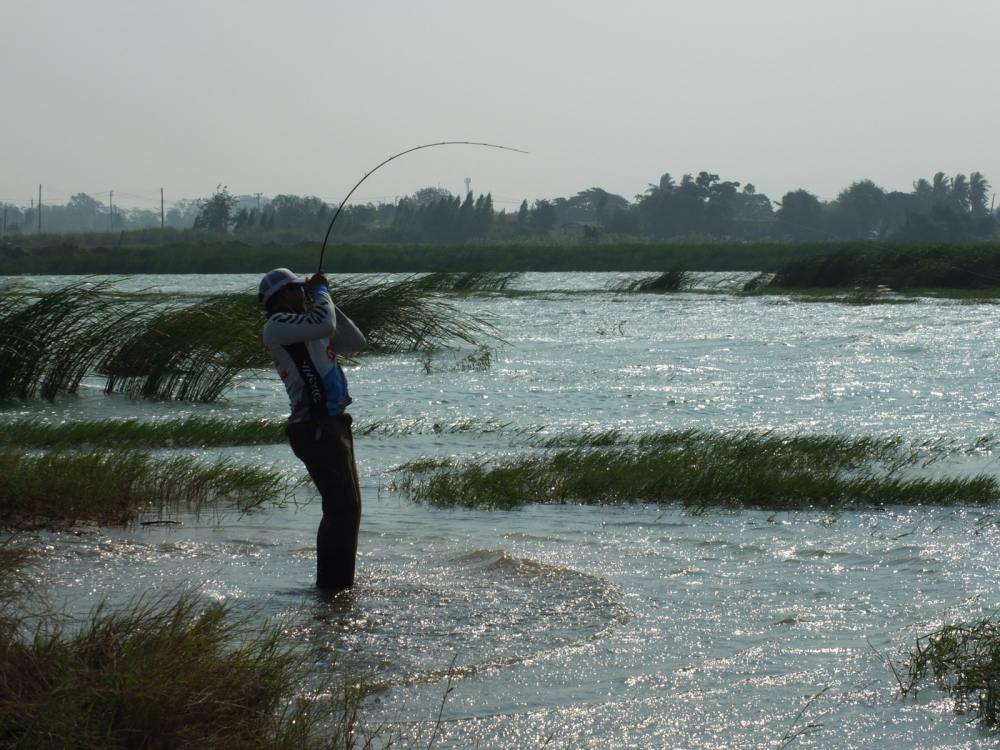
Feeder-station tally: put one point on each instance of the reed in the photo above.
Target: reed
(669, 281)
(901, 267)
(697, 470)
(57, 489)
(163, 674)
(470, 281)
(407, 316)
(50, 342)
(187, 432)
(964, 660)
(185, 350)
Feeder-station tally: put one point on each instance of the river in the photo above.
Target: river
(639, 626)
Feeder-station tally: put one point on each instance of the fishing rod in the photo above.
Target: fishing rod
(343, 203)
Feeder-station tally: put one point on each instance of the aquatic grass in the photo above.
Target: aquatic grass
(407, 316)
(697, 470)
(186, 350)
(470, 281)
(896, 266)
(57, 489)
(962, 659)
(187, 432)
(668, 281)
(165, 673)
(48, 343)
(802, 450)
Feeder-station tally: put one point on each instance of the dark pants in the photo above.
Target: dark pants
(327, 450)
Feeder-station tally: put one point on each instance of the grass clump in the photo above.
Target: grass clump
(669, 281)
(698, 470)
(57, 489)
(161, 674)
(188, 432)
(964, 660)
(970, 266)
(470, 281)
(185, 350)
(48, 343)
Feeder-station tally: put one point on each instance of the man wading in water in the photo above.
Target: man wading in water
(304, 344)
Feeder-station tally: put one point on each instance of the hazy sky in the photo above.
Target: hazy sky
(305, 96)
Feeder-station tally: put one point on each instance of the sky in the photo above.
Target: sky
(306, 96)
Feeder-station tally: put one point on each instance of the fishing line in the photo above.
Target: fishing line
(343, 203)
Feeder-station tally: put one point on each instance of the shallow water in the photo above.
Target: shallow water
(612, 627)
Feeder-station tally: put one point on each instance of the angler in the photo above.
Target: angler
(305, 332)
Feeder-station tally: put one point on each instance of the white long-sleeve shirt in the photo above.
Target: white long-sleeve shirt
(304, 349)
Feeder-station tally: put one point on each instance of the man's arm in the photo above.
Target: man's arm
(347, 338)
(292, 328)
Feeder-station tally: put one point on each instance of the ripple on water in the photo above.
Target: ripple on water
(487, 608)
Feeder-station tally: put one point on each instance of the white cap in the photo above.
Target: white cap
(275, 280)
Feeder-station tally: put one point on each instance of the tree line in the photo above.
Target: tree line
(696, 207)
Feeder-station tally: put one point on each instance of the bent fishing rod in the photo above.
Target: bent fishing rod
(343, 203)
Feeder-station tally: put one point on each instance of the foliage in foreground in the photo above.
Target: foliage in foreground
(210, 432)
(162, 675)
(964, 660)
(696, 469)
(54, 489)
(190, 351)
(186, 432)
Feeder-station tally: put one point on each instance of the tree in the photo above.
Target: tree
(522, 212)
(800, 216)
(543, 217)
(979, 190)
(216, 213)
(859, 211)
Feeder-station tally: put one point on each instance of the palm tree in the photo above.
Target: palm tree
(979, 188)
(941, 188)
(959, 198)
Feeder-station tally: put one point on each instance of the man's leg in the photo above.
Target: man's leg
(329, 459)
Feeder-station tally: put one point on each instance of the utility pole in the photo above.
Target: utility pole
(39, 209)
(258, 203)
(162, 225)
(3, 232)
(111, 210)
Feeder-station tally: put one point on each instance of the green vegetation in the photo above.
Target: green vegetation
(187, 432)
(164, 674)
(190, 351)
(963, 659)
(896, 267)
(698, 470)
(235, 257)
(57, 489)
(207, 432)
(470, 281)
(669, 281)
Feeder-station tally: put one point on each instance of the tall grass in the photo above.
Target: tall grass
(669, 281)
(470, 281)
(964, 660)
(407, 315)
(164, 674)
(56, 489)
(187, 432)
(236, 257)
(697, 470)
(190, 351)
(900, 267)
(49, 343)
(212, 432)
